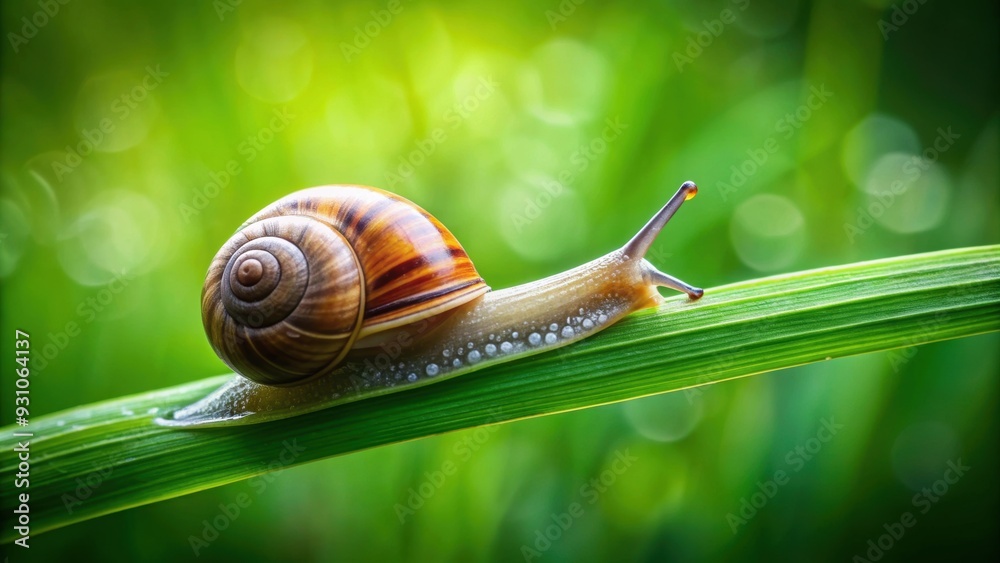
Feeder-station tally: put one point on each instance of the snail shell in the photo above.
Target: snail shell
(288, 295)
(335, 294)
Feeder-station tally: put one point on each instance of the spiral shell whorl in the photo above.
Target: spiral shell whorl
(264, 281)
(283, 300)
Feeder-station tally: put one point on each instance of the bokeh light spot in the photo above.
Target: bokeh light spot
(563, 83)
(872, 137)
(118, 232)
(664, 418)
(114, 112)
(906, 193)
(768, 232)
(481, 106)
(539, 150)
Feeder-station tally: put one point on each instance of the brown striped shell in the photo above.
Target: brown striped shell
(287, 296)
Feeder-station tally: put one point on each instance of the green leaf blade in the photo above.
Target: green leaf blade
(735, 331)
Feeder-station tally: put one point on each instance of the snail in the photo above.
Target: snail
(338, 293)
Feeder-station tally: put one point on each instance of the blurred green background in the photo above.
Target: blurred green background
(137, 136)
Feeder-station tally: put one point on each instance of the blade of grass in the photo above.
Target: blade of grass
(734, 331)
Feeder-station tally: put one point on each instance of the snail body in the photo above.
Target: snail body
(393, 302)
